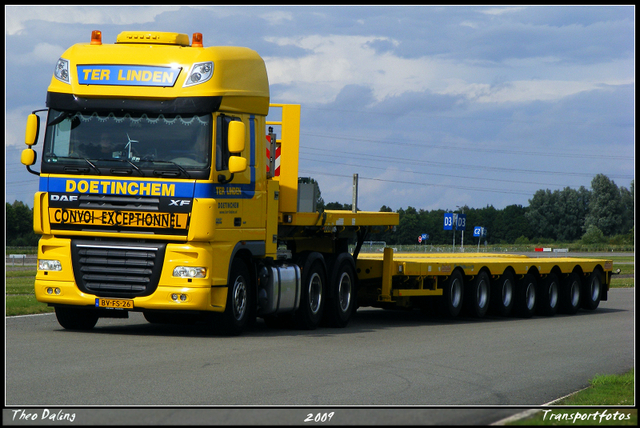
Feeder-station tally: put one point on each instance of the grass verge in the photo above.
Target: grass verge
(20, 298)
(603, 390)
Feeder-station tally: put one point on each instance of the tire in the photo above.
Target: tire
(477, 295)
(592, 291)
(309, 314)
(76, 318)
(525, 303)
(502, 294)
(452, 295)
(570, 292)
(340, 306)
(240, 308)
(548, 296)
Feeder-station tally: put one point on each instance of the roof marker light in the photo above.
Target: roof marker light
(196, 41)
(96, 37)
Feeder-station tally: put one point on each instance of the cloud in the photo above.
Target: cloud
(496, 11)
(330, 63)
(519, 91)
(44, 53)
(335, 61)
(277, 17)
(17, 16)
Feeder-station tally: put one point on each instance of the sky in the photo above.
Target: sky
(434, 107)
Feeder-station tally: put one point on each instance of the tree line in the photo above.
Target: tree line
(605, 213)
(19, 226)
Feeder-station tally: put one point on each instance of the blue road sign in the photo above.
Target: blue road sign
(479, 231)
(448, 221)
(461, 224)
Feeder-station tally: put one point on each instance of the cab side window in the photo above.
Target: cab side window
(222, 146)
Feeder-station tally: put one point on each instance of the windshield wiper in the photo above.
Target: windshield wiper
(184, 171)
(92, 165)
(54, 156)
(95, 167)
(128, 161)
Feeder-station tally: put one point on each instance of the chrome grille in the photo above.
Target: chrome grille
(119, 202)
(117, 269)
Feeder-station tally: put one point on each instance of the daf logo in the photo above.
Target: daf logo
(179, 202)
(64, 198)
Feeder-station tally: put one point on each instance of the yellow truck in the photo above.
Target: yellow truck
(164, 189)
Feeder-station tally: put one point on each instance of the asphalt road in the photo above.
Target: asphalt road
(386, 367)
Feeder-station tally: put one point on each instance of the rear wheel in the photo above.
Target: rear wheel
(240, 308)
(570, 294)
(502, 294)
(525, 303)
(452, 295)
(477, 296)
(340, 306)
(76, 318)
(311, 308)
(591, 290)
(548, 295)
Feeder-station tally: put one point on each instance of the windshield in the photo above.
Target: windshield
(98, 142)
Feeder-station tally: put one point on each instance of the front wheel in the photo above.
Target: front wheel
(76, 318)
(240, 308)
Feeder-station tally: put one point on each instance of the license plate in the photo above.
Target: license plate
(114, 303)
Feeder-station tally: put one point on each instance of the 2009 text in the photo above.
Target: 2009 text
(319, 417)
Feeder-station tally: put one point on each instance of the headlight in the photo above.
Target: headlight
(189, 272)
(49, 265)
(62, 70)
(200, 73)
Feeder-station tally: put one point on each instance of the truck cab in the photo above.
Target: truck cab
(155, 192)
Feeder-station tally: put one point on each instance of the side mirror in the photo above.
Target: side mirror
(31, 134)
(235, 137)
(237, 164)
(28, 157)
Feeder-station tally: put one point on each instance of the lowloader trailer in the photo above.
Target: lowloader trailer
(164, 189)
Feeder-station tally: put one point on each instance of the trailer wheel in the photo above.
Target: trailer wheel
(477, 296)
(452, 295)
(591, 291)
(240, 307)
(340, 306)
(525, 303)
(548, 295)
(309, 314)
(76, 318)
(570, 292)
(502, 292)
